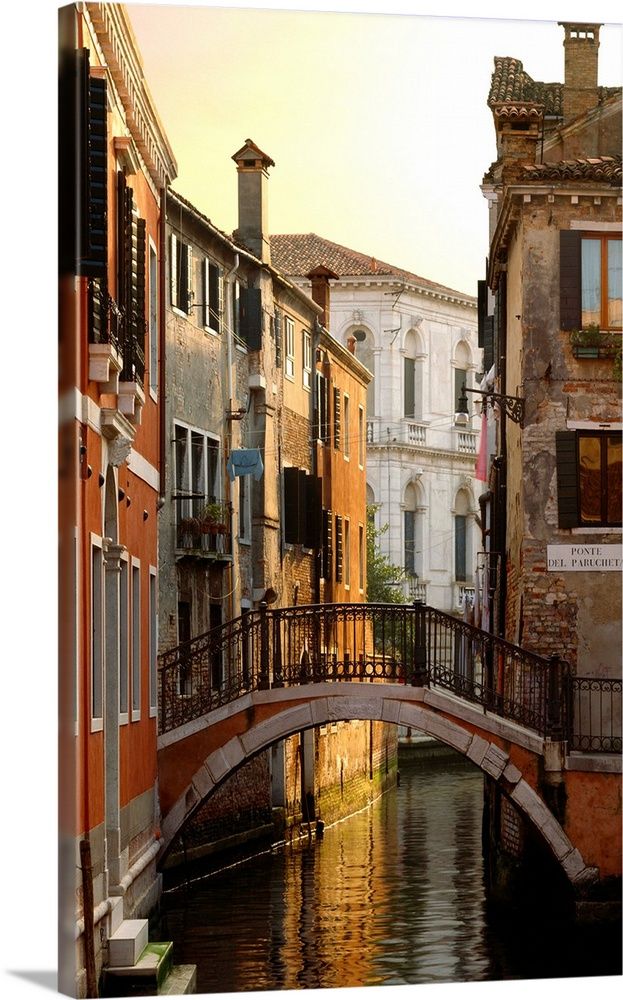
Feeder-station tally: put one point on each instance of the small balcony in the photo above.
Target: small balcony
(464, 594)
(105, 353)
(203, 527)
(414, 588)
(465, 442)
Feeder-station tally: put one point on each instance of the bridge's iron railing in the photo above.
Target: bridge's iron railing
(410, 644)
(595, 714)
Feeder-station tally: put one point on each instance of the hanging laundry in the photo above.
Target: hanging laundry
(245, 462)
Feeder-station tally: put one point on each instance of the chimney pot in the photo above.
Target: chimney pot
(351, 343)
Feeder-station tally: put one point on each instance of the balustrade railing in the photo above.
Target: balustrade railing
(409, 644)
(595, 714)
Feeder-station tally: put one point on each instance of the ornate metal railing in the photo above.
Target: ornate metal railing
(399, 643)
(595, 714)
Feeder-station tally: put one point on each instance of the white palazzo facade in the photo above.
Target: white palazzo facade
(420, 341)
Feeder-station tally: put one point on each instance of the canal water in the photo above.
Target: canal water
(392, 895)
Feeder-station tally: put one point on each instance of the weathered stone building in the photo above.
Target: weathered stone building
(551, 322)
(418, 339)
(252, 375)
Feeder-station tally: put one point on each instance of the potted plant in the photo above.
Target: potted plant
(212, 518)
(591, 342)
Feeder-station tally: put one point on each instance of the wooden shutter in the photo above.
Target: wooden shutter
(487, 354)
(482, 312)
(337, 418)
(338, 548)
(251, 317)
(121, 241)
(278, 327)
(186, 279)
(567, 479)
(98, 179)
(570, 280)
(290, 505)
(214, 282)
(327, 543)
(174, 269)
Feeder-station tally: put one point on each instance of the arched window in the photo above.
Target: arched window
(413, 532)
(365, 354)
(412, 378)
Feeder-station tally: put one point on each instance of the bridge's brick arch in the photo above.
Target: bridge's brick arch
(195, 760)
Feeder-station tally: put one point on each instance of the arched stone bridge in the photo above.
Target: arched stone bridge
(232, 693)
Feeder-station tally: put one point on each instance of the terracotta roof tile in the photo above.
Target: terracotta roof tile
(299, 253)
(510, 83)
(597, 168)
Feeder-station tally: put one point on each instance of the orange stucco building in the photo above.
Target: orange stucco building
(115, 165)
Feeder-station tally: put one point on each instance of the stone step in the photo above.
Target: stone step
(128, 943)
(147, 977)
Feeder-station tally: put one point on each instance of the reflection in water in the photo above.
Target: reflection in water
(394, 894)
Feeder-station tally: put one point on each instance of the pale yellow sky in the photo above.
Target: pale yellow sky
(377, 124)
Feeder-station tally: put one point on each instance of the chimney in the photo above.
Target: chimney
(518, 126)
(252, 230)
(351, 343)
(320, 291)
(581, 48)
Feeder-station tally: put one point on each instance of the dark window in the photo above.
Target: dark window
(588, 479)
(251, 317)
(301, 505)
(409, 387)
(460, 546)
(460, 379)
(409, 522)
(322, 408)
(181, 274)
(212, 295)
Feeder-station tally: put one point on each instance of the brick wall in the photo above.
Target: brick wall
(240, 804)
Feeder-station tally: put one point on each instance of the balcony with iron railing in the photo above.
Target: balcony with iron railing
(203, 527)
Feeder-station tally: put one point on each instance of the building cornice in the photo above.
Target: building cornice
(348, 359)
(112, 28)
(468, 458)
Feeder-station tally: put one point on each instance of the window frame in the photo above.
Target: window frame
(603, 238)
(180, 266)
(290, 357)
(603, 437)
(361, 438)
(136, 644)
(307, 360)
(346, 426)
(97, 634)
(124, 637)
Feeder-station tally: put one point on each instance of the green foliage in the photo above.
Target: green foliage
(384, 578)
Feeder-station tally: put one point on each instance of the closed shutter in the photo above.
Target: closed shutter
(251, 317)
(141, 290)
(327, 543)
(291, 505)
(460, 538)
(98, 330)
(338, 548)
(278, 336)
(567, 479)
(187, 278)
(214, 295)
(337, 418)
(570, 280)
(174, 269)
(96, 263)
(121, 241)
(487, 354)
(482, 312)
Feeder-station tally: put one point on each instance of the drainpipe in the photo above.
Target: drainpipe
(229, 387)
